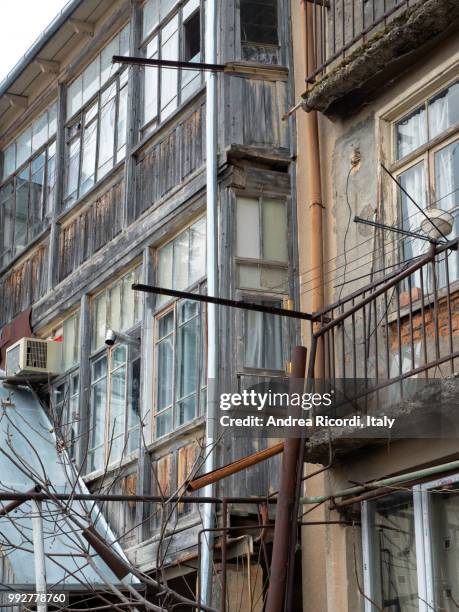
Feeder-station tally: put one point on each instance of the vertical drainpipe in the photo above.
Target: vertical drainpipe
(212, 289)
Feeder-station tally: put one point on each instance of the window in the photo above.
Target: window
(432, 177)
(96, 135)
(66, 410)
(117, 307)
(182, 261)
(26, 198)
(180, 380)
(177, 39)
(114, 423)
(71, 341)
(179, 341)
(259, 30)
(411, 550)
(264, 349)
(261, 244)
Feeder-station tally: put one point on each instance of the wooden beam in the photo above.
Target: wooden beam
(82, 27)
(48, 66)
(17, 101)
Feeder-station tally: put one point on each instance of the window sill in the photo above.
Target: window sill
(116, 465)
(96, 190)
(183, 430)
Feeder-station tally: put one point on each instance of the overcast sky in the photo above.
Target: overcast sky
(22, 21)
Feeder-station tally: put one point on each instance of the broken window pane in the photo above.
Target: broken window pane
(192, 35)
(259, 21)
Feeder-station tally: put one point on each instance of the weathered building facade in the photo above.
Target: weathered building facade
(104, 186)
(383, 80)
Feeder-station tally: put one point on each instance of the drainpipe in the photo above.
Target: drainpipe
(212, 289)
(313, 183)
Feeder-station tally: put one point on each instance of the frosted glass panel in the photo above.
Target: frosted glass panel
(248, 228)
(274, 230)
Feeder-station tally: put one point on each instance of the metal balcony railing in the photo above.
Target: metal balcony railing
(405, 325)
(340, 27)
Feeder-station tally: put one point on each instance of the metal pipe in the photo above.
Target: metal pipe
(22, 497)
(212, 289)
(385, 482)
(286, 498)
(39, 554)
(18, 502)
(209, 299)
(224, 552)
(235, 467)
(161, 63)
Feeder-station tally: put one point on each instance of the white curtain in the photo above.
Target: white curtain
(411, 133)
(446, 183)
(263, 341)
(438, 116)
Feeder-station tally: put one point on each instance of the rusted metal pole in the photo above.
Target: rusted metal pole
(235, 466)
(286, 497)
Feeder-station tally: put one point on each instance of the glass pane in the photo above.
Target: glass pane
(414, 182)
(447, 196)
(187, 309)
(189, 8)
(181, 256)
(24, 147)
(447, 176)
(97, 420)
(119, 356)
(248, 228)
(166, 7)
(9, 160)
(187, 366)
(71, 342)
(127, 311)
(259, 21)
(6, 222)
(88, 163)
(134, 402)
(114, 303)
(197, 251)
(73, 169)
(36, 212)
(40, 132)
(150, 16)
(169, 51)
(444, 110)
(411, 132)
(445, 544)
(91, 80)
(74, 97)
(263, 340)
(106, 137)
(22, 207)
(117, 402)
(122, 123)
(164, 373)
(150, 103)
(125, 39)
(186, 410)
(166, 324)
(164, 270)
(274, 230)
(52, 121)
(394, 548)
(107, 68)
(50, 179)
(99, 321)
(164, 423)
(99, 368)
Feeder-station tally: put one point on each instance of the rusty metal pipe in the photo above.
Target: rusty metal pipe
(286, 498)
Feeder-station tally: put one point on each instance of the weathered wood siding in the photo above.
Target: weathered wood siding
(168, 162)
(255, 107)
(92, 229)
(25, 284)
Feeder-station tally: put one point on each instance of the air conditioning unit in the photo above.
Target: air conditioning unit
(33, 357)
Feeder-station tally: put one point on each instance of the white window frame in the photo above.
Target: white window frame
(423, 539)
